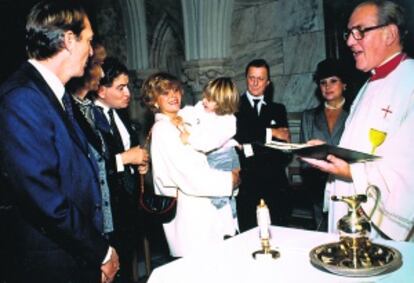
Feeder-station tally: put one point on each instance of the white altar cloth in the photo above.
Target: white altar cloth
(232, 261)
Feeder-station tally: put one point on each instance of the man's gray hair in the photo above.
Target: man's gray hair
(390, 12)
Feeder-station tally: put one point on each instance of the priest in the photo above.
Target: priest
(381, 121)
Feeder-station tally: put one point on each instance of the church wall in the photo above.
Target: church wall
(290, 36)
(110, 28)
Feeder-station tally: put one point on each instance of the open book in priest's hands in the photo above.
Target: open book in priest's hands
(321, 151)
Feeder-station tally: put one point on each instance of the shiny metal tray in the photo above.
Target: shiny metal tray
(377, 260)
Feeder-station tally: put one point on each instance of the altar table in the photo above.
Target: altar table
(232, 261)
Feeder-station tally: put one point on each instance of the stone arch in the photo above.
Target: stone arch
(166, 52)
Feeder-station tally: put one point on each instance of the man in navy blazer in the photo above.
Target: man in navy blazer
(126, 158)
(263, 170)
(51, 218)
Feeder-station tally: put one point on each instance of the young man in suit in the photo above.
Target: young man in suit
(263, 170)
(53, 221)
(112, 99)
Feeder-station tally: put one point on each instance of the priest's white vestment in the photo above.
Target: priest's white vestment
(387, 105)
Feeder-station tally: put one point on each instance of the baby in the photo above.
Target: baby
(209, 127)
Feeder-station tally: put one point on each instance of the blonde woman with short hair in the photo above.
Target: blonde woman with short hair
(179, 170)
(209, 127)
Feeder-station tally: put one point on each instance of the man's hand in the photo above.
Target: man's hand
(236, 177)
(281, 134)
(110, 268)
(143, 169)
(135, 155)
(315, 142)
(332, 165)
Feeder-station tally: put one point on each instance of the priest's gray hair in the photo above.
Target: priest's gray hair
(389, 12)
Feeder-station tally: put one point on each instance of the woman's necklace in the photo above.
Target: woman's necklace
(339, 106)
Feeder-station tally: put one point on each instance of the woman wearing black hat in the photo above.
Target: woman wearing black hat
(326, 123)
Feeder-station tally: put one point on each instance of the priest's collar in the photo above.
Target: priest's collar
(386, 68)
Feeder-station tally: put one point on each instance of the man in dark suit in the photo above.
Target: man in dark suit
(113, 98)
(263, 170)
(53, 219)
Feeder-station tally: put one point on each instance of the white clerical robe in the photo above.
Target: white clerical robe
(387, 105)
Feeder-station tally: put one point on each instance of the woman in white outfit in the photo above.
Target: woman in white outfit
(179, 170)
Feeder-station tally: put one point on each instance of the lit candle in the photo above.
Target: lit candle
(263, 219)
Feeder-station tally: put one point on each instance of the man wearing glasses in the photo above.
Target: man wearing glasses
(381, 121)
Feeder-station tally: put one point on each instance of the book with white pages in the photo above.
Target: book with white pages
(321, 151)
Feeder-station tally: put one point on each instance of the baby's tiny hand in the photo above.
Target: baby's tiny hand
(177, 121)
(184, 137)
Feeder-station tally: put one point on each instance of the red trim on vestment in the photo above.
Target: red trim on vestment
(383, 70)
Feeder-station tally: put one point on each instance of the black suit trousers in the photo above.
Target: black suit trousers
(263, 178)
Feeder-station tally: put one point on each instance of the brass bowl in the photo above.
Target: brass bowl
(376, 260)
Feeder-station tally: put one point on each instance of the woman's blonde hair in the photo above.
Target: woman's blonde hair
(224, 93)
(156, 85)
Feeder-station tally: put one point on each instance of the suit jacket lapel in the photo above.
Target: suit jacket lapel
(47, 91)
(322, 124)
(133, 133)
(339, 123)
(264, 111)
(91, 136)
(249, 110)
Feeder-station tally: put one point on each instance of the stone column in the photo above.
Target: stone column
(137, 54)
(207, 26)
(136, 33)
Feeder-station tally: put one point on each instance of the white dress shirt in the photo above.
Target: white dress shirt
(126, 141)
(51, 79)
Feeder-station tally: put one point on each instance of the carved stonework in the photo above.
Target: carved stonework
(110, 28)
(197, 73)
(136, 79)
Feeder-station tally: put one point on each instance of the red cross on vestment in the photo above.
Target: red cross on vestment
(386, 111)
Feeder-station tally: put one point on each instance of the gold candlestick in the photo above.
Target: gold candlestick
(263, 221)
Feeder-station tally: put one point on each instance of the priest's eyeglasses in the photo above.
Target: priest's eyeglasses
(358, 33)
